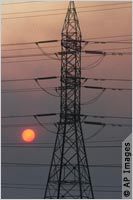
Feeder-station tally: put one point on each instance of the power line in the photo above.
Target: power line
(110, 42)
(31, 48)
(31, 184)
(104, 53)
(107, 88)
(86, 122)
(87, 41)
(58, 88)
(93, 100)
(30, 90)
(118, 8)
(25, 184)
(46, 54)
(22, 61)
(23, 2)
(22, 188)
(86, 51)
(55, 114)
(107, 124)
(95, 133)
(23, 125)
(102, 126)
(46, 91)
(42, 125)
(28, 184)
(59, 53)
(90, 78)
(25, 116)
(51, 147)
(97, 141)
(56, 77)
(26, 90)
(22, 90)
(31, 79)
(25, 188)
(37, 60)
(44, 143)
(28, 124)
(108, 117)
(94, 64)
(111, 36)
(123, 48)
(33, 11)
(108, 79)
(33, 89)
(20, 49)
(21, 56)
(33, 42)
(62, 53)
(8, 164)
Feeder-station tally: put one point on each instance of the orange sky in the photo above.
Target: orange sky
(93, 25)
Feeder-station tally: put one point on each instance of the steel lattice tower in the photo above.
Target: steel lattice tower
(69, 175)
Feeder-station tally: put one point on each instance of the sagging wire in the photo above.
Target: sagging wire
(83, 118)
(22, 125)
(85, 44)
(94, 99)
(22, 90)
(96, 133)
(37, 82)
(46, 54)
(84, 81)
(58, 91)
(94, 64)
(42, 125)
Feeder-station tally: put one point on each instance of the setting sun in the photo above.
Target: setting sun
(28, 135)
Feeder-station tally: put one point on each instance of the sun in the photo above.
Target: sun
(28, 135)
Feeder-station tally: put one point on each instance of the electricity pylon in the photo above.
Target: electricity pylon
(69, 176)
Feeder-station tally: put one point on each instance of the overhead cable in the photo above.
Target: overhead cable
(93, 100)
(56, 77)
(34, 11)
(44, 15)
(8, 164)
(107, 88)
(107, 124)
(45, 41)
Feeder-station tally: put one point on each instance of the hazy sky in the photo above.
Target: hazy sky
(101, 22)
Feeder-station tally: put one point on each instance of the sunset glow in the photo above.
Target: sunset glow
(66, 99)
(28, 135)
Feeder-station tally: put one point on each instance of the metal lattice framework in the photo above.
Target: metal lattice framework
(69, 175)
